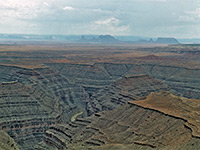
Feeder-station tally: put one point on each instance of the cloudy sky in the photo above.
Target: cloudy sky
(151, 18)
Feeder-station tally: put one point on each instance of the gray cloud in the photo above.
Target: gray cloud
(118, 17)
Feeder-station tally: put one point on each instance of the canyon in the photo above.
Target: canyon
(73, 96)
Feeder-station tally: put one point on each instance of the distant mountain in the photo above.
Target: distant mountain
(134, 40)
(190, 41)
(160, 40)
(129, 38)
(105, 39)
(110, 39)
(100, 39)
(166, 41)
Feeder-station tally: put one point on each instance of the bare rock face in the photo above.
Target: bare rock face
(24, 114)
(182, 80)
(123, 90)
(90, 77)
(38, 104)
(33, 100)
(180, 107)
(94, 77)
(126, 127)
(6, 142)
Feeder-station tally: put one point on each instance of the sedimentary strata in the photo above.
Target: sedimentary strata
(127, 88)
(33, 101)
(127, 127)
(93, 77)
(180, 107)
(6, 142)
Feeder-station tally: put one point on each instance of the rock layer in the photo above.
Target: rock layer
(35, 99)
(6, 142)
(128, 126)
(93, 77)
(186, 109)
(24, 114)
(123, 90)
(32, 100)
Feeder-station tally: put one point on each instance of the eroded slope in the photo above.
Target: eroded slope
(123, 90)
(6, 142)
(126, 127)
(183, 80)
(24, 114)
(187, 109)
(32, 100)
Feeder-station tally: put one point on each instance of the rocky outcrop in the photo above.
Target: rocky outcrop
(94, 77)
(90, 77)
(24, 114)
(33, 100)
(128, 127)
(180, 107)
(6, 142)
(123, 90)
